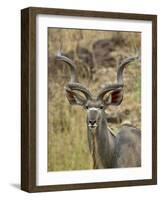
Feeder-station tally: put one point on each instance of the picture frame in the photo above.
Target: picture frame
(29, 96)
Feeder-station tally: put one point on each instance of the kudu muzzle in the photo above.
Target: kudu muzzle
(93, 116)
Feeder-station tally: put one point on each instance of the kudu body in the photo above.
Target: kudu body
(107, 150)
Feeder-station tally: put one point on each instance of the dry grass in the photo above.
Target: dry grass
(67, 138)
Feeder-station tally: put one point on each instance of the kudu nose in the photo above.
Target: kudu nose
(92, 122)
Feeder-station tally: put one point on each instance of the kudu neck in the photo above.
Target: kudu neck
(102, 144)
(103, 121)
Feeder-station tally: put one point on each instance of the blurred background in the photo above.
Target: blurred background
(97, 55)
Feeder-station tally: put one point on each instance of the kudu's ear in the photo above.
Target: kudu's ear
(115, 97)
(75, 98)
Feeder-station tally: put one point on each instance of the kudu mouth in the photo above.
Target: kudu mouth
(92, 126)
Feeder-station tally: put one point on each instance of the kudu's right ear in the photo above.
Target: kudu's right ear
(74, 97)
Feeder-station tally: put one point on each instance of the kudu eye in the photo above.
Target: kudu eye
(87, 107)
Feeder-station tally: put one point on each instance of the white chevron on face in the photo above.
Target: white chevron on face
(93, 108)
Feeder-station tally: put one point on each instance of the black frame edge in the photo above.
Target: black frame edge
(24, 99)
(154, 99)
(28, 100)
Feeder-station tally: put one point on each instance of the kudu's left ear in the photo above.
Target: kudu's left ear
(74, 97)
(115, 97)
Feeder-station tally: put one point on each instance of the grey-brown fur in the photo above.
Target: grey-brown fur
(122, 150)
(128, 148)
(107, 150)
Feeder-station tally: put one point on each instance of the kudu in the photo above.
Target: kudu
(107, 150)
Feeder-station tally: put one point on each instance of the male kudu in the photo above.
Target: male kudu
(107, 150)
